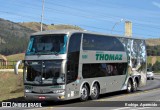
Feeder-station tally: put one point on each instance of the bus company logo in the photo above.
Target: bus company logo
(41, 91)
(84, 56)
(108, 56)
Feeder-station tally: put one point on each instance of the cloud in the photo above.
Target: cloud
(156, 4)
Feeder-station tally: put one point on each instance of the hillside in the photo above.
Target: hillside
(36, 26)
(14, 36)
(153, 42)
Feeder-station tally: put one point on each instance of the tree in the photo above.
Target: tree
(156, 67)
(149, 65)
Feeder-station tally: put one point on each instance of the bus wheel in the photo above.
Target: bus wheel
(84, 93)
(94, 92)
(129, 86)
(135, 85)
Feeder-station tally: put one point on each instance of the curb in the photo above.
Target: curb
(10, 70)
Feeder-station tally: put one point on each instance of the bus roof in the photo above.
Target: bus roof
(72, 31)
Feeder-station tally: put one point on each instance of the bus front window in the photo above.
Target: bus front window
(47, 44)
(43, 72)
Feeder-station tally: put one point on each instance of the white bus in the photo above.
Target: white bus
(68, 64)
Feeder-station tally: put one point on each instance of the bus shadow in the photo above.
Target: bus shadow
(78, 103)
(68, 103)
(17, 100)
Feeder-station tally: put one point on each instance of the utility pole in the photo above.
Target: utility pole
(42, 15)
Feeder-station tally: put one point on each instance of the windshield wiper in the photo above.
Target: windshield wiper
(55, 53)
(44, 53)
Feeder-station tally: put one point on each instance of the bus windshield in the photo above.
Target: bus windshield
(47, 44)
(43, 72)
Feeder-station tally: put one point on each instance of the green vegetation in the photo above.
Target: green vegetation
(13, 37)
(156, 67)
(15, 57)
(153, 50)
(150, 59)
(12, 60)
(11, 85)
(155, 60)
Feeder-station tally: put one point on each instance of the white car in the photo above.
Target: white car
(150, 74)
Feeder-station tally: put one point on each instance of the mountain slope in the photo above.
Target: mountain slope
(36, 26)
(153, 42)
(13, 37)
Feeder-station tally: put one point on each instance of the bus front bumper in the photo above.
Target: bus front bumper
(43, 97)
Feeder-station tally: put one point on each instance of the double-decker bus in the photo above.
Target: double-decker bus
(68, 64)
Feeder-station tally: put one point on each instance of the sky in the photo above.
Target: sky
(103, 16)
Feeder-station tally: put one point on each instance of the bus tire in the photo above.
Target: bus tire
(84, 93)
(135, 85)
(129, 86)
(94, 92)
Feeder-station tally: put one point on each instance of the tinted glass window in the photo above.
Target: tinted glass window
(47, 44)
(73, 57)
(50, 74)
(103, 43)
(103, 69)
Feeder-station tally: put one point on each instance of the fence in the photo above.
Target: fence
(9, 65)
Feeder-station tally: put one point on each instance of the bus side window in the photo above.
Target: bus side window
(73, 57)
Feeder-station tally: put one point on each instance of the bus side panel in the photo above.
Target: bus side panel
(109, 73)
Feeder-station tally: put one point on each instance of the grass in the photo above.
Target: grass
(158, 58)
(36, 26)
(153, 42)
(15, 57)
(11, 85)
(12, 60)
(149, 59)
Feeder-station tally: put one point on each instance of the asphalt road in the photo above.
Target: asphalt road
(148, 96)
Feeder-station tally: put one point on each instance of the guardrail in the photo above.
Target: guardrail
(9, 65)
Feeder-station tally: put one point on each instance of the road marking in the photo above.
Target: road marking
(130, 108)
(140, 108)
(124, 95)
(122, 108)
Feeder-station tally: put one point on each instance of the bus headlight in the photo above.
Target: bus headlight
(27, 91)
(58, 91)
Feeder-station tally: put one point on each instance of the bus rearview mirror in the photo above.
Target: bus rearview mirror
(16, 67)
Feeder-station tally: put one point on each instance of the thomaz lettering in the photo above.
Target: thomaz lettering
(108, 56)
